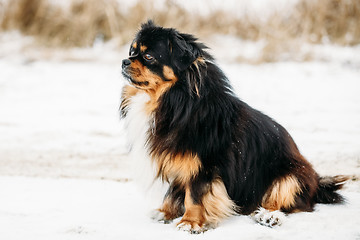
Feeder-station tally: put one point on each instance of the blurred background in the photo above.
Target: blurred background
(281, 27)
(60, 81)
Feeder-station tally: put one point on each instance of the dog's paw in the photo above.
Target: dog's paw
(159, 216)
(191, 227)
(268, 218)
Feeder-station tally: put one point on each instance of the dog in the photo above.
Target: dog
(219, 156)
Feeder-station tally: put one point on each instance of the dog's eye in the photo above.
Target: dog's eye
(148, 57)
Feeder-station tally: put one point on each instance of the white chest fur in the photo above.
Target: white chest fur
(137, 125)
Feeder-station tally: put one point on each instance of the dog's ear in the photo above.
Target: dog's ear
(183, 50)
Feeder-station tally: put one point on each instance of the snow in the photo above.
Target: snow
(60, 134)
(37, 208)
(59, 114)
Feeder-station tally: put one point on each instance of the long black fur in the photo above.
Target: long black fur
(200, 114)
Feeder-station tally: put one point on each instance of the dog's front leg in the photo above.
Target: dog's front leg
(206, 204)
(173, 205)
(194, 219)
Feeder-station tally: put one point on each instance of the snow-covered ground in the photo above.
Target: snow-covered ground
(59, 119)
(43, 209)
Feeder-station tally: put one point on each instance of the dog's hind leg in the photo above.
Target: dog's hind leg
(268, 218)
(281, 196)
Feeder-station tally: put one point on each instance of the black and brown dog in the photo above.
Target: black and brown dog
(220, 156)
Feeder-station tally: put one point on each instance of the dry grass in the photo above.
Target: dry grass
(54, 26)
(336, 21)
(314, 21)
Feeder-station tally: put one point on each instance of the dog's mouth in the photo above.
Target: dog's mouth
(129, 78)
(126, 75)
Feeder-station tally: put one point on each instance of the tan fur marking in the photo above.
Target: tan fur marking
(196, 63)
(171, 209)
(155, 87)
(281, 194)
(199, 60)
(136, 69)
(127, 93)
(169, 73)
(143, 48)
(194, 213)
(134, 45)
(214, 207)
(155, 93)
(217, 203)
(180, 168)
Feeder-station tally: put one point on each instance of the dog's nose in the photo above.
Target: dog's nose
(125, 63)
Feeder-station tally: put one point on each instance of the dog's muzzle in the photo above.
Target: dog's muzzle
(125, 63)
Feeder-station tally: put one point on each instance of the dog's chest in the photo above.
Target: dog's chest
(137, 125)
(137, 121)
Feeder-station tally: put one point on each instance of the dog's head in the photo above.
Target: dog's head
(159, 57)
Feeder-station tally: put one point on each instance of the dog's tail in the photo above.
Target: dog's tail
(328, 186)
